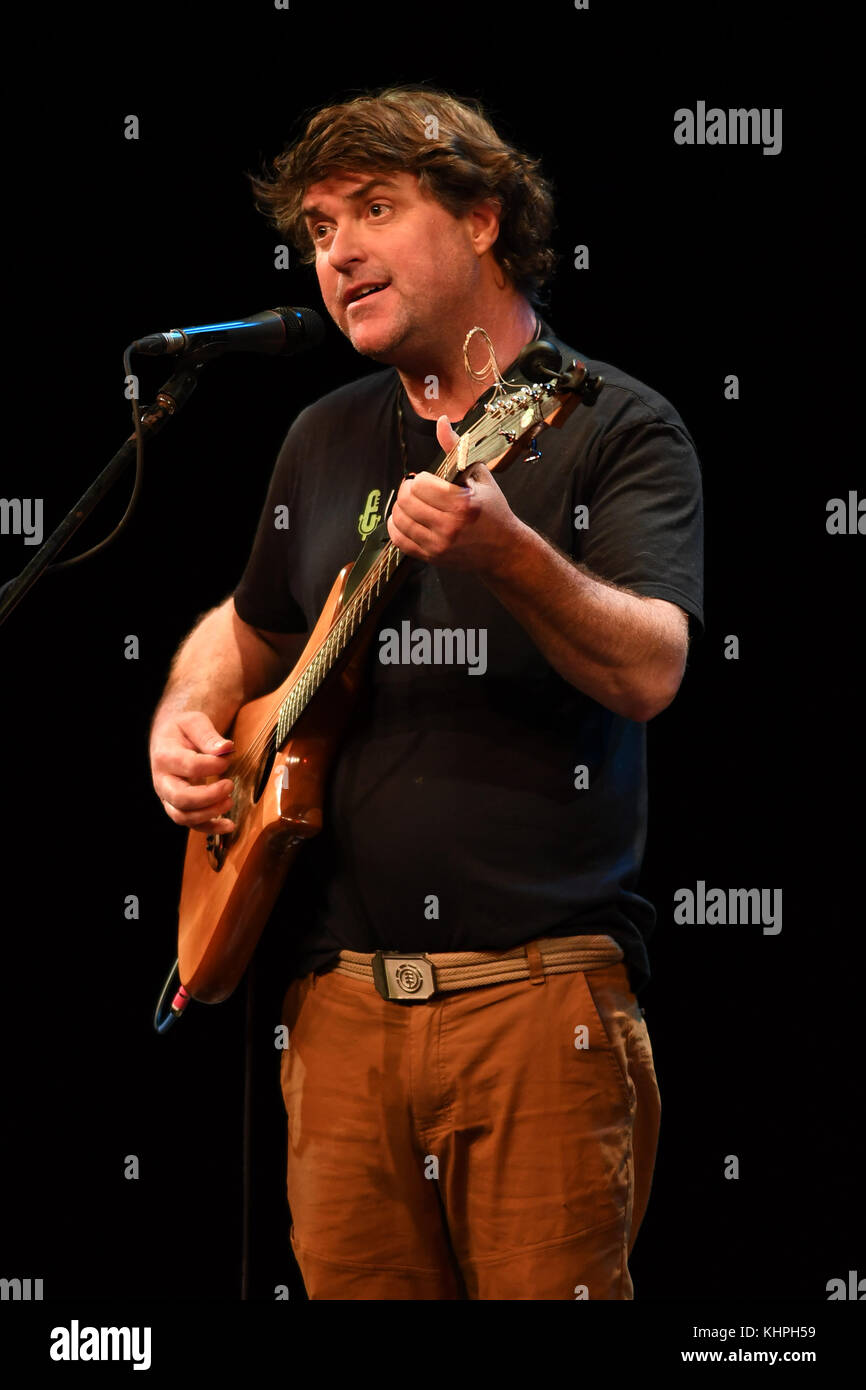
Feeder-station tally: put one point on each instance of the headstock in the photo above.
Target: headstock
(512, 420)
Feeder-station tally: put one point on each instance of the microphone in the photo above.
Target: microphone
(274, 331)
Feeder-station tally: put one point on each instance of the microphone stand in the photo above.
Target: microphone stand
(170, 399)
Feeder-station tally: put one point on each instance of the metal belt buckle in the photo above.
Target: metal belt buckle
(406, 977)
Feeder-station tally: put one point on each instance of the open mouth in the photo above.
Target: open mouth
(365, 295)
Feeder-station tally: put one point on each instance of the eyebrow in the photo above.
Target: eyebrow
(311, 213)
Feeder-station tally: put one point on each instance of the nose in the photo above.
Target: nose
(346, 246)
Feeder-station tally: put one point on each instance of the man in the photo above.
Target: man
(486, 1129)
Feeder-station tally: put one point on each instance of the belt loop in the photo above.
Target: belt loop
(536, 965)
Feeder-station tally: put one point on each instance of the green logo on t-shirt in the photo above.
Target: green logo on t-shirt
(370, 518)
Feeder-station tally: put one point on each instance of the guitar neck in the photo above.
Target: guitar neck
(376, 588)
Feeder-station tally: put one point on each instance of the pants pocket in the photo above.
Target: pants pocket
(597, 1105)
(611, 1011)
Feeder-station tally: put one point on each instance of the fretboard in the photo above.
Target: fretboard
(343, 629)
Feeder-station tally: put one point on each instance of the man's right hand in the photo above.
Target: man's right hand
(185, 750)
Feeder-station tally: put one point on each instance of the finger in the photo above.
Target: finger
(445, 434)
(424, 521)
(213, 796)
(401, 541)
(176, 761)
(199, 820)
(407, 534)
(215, 827)
(202, 734)
(409, 527)
(430, 488)
(478, 476)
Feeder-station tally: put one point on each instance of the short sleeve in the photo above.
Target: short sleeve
(645, 515)
(263, 597)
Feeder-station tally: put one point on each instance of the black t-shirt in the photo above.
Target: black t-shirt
(452, 820)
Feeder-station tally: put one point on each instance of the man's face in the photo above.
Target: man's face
(382, 230)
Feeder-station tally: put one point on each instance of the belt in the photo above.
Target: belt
(410, 977)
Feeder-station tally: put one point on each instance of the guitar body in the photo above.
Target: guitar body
(231, 882)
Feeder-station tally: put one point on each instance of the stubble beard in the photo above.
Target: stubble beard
(399, 334)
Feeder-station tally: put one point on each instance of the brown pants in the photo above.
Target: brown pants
(488, 1143)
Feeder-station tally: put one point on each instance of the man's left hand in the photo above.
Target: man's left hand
(469, 528)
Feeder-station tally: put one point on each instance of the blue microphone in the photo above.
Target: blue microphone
(274, 331)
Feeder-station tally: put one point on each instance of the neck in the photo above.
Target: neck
(510, 325)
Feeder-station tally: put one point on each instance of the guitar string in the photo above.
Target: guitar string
(486, 428)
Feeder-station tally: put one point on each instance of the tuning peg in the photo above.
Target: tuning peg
(590, 389)
(539, 358)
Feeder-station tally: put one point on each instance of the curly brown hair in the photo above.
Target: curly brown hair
(451, 146)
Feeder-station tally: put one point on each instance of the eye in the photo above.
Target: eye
(379, 205)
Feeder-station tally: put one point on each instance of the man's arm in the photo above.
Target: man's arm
(623, 650)
(220, 666)
(626, 651)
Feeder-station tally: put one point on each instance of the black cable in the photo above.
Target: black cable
(179, 1001)
(136, 491)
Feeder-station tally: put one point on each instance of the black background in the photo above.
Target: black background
(703, 262)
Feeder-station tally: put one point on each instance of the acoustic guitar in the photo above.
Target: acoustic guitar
(285, 742)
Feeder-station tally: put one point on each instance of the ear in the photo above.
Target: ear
(485, 219)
